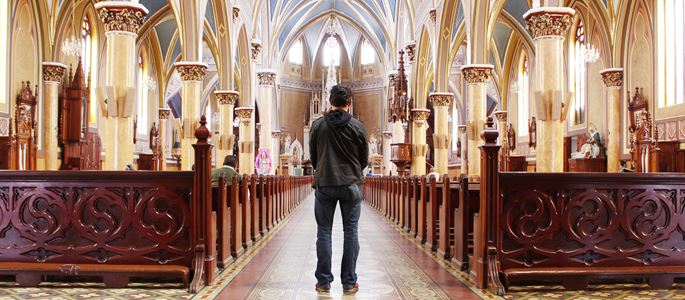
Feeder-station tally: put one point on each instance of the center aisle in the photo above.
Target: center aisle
(389, 266)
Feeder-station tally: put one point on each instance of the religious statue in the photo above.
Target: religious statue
(511, 138)
(532, 134)
(593, 145)
(286, 145)
(373, 145)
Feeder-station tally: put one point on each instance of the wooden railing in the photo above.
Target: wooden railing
(118, 225)
(570, 228)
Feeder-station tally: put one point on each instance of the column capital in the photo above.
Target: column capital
(244, 113)
(411, 51)
(191, 70)
(501, 115)
(236, 13)
(461, 128)
(549, 21)
(387, 135)
(164, 113)
(53, 71)
(266, 77)
(612, 77)
(477, 73)
(121, 15)
(420, 115)
(227, 97)
(440, 99)
(255, 48)
(275, 134)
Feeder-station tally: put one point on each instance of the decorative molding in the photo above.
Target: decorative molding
(191, 71)
(612, 77)
(4, 126)
(420, 115)
(53, 72)
(433, 14)
(245, 115)
(236, 13)
(275, 134)
(121, 15)
(549, 21)
(227, 97)
(164, 113)
(266, 77)
(440, 99)
(309, 85)
(501, 115)
(462, 129)
(411, 51)
(255, 49)
(477, 73)
(387, 135)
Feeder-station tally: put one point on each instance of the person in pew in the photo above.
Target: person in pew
(227, 169)
(434, 174)
(339, 152)
(624, 167)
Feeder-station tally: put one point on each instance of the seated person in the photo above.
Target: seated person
(228, 169)
(435, 174)
(624, 168)
(590, 149)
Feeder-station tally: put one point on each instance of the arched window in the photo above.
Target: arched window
(331, 52)
(523, 97)
(89, 62)
(578, 75)
(671, 58)
(368, 55)
(142, 103)
(296, 53)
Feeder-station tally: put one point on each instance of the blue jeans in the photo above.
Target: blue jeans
(350, 198)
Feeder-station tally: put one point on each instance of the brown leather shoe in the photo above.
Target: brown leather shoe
(350, 288)
(323, 287)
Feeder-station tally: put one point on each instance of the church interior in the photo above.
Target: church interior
(518, 149)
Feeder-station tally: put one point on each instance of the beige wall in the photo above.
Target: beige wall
(294, 109)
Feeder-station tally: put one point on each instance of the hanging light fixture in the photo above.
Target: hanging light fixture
(72, 46)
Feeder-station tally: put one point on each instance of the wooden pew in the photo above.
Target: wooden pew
(254, 209)
(414, 206)
(434, 199)
(464, 211)
(421, 219)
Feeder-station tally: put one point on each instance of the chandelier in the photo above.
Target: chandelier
(72, 47)
(150, 83)
(589, 53)
(515, 88)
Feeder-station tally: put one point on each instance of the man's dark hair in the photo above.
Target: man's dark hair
(229, 160)
(623, 163)
(340, 96)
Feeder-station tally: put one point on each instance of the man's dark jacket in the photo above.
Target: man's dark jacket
(338, 148)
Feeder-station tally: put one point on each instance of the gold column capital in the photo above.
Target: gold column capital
(236, 13)
(549, 21)
(53, 71)
(387, 135)
(255, 48)
(440, 99)
(191, 71)
(227, 97)
(245, 115)
(275, 134)
(501, 115)
(266, 77)
(164, 113)
(121, 15)
(612, 77)
(474, 74)
(462, 129)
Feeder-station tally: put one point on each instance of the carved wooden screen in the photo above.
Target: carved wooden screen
(105, 218)
(584, 221)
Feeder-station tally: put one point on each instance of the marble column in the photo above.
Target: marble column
(226, 139)
(613, 79)
(275, 150)
(419, 147)
(192, 75)
(164, 125)
(387, 164)
(122, 21)
(53, 73)
(463, 153)
(266, 91)
(246, 140)
(476, 77)
(441, 138)
(548, 26)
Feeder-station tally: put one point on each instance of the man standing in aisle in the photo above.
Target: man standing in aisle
(339, 152)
